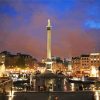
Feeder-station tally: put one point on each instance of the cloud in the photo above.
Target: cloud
(92, 24)
(73, 43)
(26, 30)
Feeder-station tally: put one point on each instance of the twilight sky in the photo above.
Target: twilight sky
(75, 26)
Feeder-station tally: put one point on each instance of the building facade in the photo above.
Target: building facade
(85, 63)
(16, 60)
(95, 59)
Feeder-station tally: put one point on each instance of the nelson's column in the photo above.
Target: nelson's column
(49, 60)
(48, 80)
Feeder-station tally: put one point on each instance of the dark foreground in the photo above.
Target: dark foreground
(84, 95)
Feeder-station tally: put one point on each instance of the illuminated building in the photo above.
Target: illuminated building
(2, 64)
(84, 63)
(76, 66)
(16, 62)
(76, 63)
(95, 64)
(95, 59)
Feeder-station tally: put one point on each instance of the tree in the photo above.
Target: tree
(20, 62)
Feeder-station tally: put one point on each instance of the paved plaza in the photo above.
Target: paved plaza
(80, 95)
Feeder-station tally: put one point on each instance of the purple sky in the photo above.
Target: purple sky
(75, 26)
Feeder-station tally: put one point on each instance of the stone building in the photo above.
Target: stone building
(19, 60)
(84, 63)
